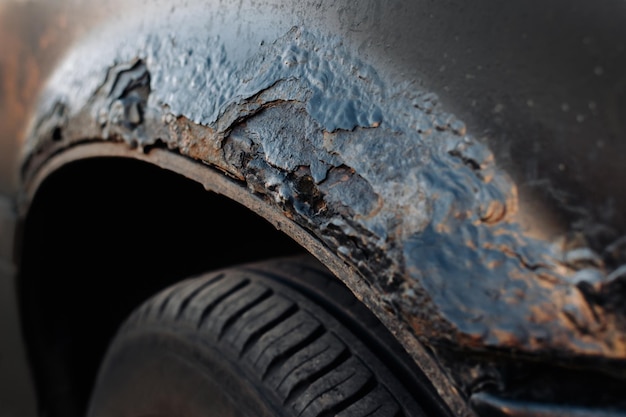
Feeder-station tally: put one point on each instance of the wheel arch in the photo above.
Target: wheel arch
(389, 190)
(89, 255)
(126, 185)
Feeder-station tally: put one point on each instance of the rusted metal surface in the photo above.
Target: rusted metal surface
(376, 168)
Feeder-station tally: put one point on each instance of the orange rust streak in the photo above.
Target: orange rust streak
(201, 143)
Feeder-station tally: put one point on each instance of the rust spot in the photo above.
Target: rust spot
(494, 212)
(201, 143)
(427, 221)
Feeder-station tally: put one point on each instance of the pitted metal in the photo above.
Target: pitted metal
(379, 172)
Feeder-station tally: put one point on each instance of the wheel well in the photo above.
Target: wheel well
(100, 237)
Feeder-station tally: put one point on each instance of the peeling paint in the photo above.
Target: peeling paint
(118, 106)
(380, 173)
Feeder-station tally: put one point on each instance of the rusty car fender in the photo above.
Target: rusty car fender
(303, 116)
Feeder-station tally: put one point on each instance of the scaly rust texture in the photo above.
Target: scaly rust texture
(381, 174)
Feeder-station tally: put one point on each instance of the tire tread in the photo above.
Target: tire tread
(295, 354)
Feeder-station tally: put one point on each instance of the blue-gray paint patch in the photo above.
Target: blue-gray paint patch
(424, 213)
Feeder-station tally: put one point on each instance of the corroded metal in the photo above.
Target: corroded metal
(378, 171)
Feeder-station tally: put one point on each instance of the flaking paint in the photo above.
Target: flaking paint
(379, 172)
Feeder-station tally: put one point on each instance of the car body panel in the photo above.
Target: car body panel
(464, 160)
(17, 396)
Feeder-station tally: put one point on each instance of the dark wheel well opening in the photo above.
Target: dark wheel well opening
(101, 236)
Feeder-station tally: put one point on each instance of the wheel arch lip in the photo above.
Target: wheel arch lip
(215, 181)
(382, 176)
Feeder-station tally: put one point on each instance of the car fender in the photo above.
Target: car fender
(302, 115)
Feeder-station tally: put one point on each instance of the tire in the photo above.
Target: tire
(280, 338)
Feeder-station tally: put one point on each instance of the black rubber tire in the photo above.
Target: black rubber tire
(279, 338)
